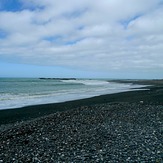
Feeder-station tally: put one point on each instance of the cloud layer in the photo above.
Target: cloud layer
(106, 35)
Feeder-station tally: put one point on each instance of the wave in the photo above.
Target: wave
(14, 96)
(87, 82)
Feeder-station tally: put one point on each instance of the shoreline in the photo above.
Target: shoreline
(121, 127)
(62, 93)
(152, 95)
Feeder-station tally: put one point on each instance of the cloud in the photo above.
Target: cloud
(114, 35)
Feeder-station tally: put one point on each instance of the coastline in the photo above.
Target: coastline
(152, 95)
(121, 127)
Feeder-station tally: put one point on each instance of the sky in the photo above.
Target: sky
(81, 38)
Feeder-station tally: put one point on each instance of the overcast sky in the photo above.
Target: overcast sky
(81, 38)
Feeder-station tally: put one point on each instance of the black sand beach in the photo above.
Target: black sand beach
(121, 127)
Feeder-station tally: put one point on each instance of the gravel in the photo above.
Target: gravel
(110, 132)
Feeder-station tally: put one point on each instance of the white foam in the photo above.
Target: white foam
(91, 88)
(87, 82)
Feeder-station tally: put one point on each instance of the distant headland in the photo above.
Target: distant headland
(58, 78)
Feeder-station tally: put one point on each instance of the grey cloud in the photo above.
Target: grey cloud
(86, 34)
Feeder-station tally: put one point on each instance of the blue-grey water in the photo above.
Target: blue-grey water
(19, 92)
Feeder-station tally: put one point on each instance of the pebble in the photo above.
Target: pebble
(121, 132)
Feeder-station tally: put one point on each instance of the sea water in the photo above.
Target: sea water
(20, 92)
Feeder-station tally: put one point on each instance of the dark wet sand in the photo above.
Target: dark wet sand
(152, 96)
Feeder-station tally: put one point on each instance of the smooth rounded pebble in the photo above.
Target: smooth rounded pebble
(117, 132)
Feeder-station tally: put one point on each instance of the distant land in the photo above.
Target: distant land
(140, 81)
(58, 78)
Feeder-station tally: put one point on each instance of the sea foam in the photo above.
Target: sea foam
(24, 92)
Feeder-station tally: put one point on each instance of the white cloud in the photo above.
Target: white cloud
(118, 35)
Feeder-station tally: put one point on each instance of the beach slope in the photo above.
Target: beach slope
(122, 127)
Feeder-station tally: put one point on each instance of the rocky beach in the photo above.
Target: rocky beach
(122, 127)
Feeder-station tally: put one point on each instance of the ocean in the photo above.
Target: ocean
(20, 92)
